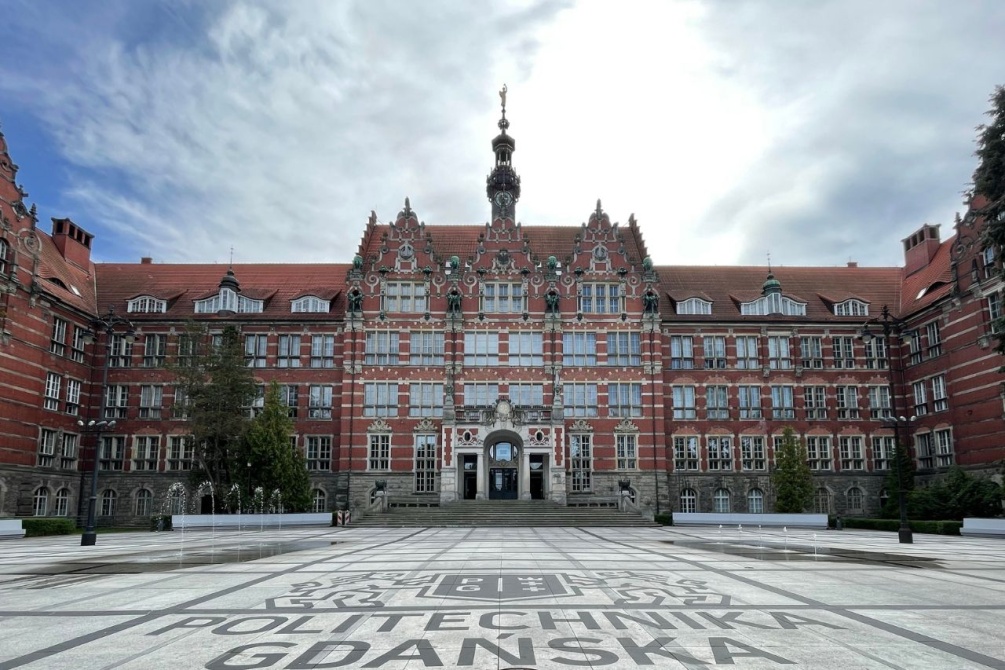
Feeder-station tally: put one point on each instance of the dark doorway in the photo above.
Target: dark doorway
(206, 505)
(504, 483)
(537, 476)
(470, 477)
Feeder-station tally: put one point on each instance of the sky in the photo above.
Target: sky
(817, 132)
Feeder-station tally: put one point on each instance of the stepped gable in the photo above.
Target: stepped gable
(727, 286)
(181, 284)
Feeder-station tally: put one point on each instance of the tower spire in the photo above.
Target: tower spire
(503, 183)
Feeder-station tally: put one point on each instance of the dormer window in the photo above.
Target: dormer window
(146, 304)
(851, 308)
(311, 303)
(694, 306)
(227, 300)
(773, 303)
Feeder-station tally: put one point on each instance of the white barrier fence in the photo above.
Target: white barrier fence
(248, 521)
(983, 528)
(10, 529)
(754, 520)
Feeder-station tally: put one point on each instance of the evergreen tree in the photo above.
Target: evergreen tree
(275, 465)
(901, 458)
(989, 183)
(792, 478)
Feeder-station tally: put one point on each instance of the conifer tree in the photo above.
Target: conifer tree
(792, 478)
(273, 463)
(989, 183)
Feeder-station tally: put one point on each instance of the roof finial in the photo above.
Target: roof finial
(503, 123)
(231, 257)
(769, 262)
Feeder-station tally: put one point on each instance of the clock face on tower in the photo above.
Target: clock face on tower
(503, 199)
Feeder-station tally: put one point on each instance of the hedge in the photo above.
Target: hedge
(892, 525)
(37, 527)
(159, 522)
(665, 519)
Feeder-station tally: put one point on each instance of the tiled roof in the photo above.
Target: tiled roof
(930, 283)
(79, 283)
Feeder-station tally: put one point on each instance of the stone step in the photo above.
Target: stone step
(502, 513)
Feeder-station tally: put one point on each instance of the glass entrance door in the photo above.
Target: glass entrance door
(503, 483)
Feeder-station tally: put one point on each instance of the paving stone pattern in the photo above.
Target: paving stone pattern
(503, 598)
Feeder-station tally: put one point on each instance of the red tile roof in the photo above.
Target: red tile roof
(932, 282)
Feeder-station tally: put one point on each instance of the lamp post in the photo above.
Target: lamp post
(107, 324)
(892, 325)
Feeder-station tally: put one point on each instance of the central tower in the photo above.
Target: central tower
(503, 183)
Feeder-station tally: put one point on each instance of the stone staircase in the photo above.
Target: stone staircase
(489, 513)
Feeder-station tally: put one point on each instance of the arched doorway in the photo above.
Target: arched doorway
(504, 454)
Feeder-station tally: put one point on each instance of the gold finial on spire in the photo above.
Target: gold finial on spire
(502, 97)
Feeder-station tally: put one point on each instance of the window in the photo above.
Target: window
(681, 352)
(5, 258)
(943, 448)
(856, 499)
(68, 455)
(179, 408)
(380, 399)
(62, 507)
(506, 298)
(47, 448)
(720, 453)
(750, 402)
(850, 448)
(995, 311)
(120, 351)
(425, 399)
(289, 395)
(176, 500)
(988, 261)
(318, 453)
(310, 303)
(851, 308)
(600, 299)
(625, 400)
(77, 347)
(684, 403)
(52, 384)
(579, 349)
(815, 402)
(773, 303)
(229, 301)
(58, 343)
(714, 350)
(580, 400)
(847, 402)
(879, 402)
(920, 399)
(624, 349)
(914, 345)
(924, 446)
(626, 451)
(526, 349)
(146, 449)
(180, 453)
(755, 501)
(255, 348)
(319, 501)
(380, 452)
(883, 449)
(720, 501)
(940, 401)
(527, 395)
(811, 351)
(113, 453)
(186, 350)
(934, 339)
(481, 394)
(782, 402)
(426, 348)
(746, 352)
(875, 353)
(154, 350)
(323, 351)
(822, 501)
(320, 402)
(481, 349)
(289, 351)
(40, 502)
(381, 348)
(144, 502)
(818, 452)
(146, 305)
(688, 501)
(108, 498)
(581, 462)
(752, 453)
(694, 306)
(685, 453)
(716, 403)
(779, 356)
(425, 463)
(257, 403)
(844, 352)
(151, 401)
(405, 297)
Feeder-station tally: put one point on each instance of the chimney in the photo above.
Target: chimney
(73, 242)
(920, 248)
(146, 260)
(853, 264)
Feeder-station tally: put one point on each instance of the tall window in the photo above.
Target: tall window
(112, 453)
(58, 343)
(62, 507)
(151, 401)
(257, 403)
(319, 501)
(688, 501)
(875, 353)
(988, 261)
(782, 402)
(924, 447)
(856, 499)
(755, 501)
(120, 352)
(994, 310)
(379, 452)
(920, 398)
(716, 403)
(844, 352)
(108, 498)
(579, 349)
(180, 453)
(940, 401)
(600, 299)
(5, 259)
(580, 399)
(425, 399)
(581, 462)
(681, 352)
(685, 452)
(746, 352)
(527, 395)
(625, 400)
(146, 451)
(481, 349)
(822, 501)
(879, 402)
(626, 452)
(818, 452)
(68, 455)
(714, 350)
(425, 348)
(47, 440)
(623, 349)
(318, 452)
(503, 297)
(883, 449)
(815, 402)
(847, 402)
(720, 501)
(320, 406)
(943, 448)
(154, 350)
(811, 352)
(289, 395)
(480, 394)
(116, 401)
(323, 351)
(526, 349)
(52, 384)
(914, 346)
(779, 355)
(720, 452)
(77, 346)
(380, 399)
(405, 297)
(850, 448)
(425, 463)
(381, 348)
(934, 339)
(750, 402)
(144, 502)
(684, 403)
(40, 502)
(289, 351)
(752, 453)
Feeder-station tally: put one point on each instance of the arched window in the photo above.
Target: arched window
(688, 501)
(319, 501)
(822, 501)
(62, 503)
(176, 501)
(144, 502)
(108, 503)
(856, 499)
(755, 501)
(720, 501)
(40, 502)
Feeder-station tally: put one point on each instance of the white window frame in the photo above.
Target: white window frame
(503, 298)
(579, 348)
(851, 307)
(753, 453)
(681, 352)
(323, 350)
(581, 462)
(426, 347)
(146, 453)
(779, 352)
(580, 399)
(425, 399)
(378, 452)
(146, 304)
(318, 453)
(720, 453)
(382, 347)
(940, 399)
(526, 348)
(819, 453)
(685, 406)
(53, 383)
(747, 352)
(310, 304)
(425, 462)
(624, 348)
(627, 447)
(320, 401)
(686, 453)
(694, 306)
(851, 450)
(713, 349)
(380, 399)
(624, 399)
(289, 351)
(405, 297)
(601, 298)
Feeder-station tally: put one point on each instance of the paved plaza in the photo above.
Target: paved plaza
(503, 598)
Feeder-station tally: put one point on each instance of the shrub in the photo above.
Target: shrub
(892, 525)
(163, 520)
(664, 519)
(959, 494)
(37, 527)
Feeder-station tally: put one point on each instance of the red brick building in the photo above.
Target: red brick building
(503, 361)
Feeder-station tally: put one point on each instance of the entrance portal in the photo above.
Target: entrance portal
(504, 483)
